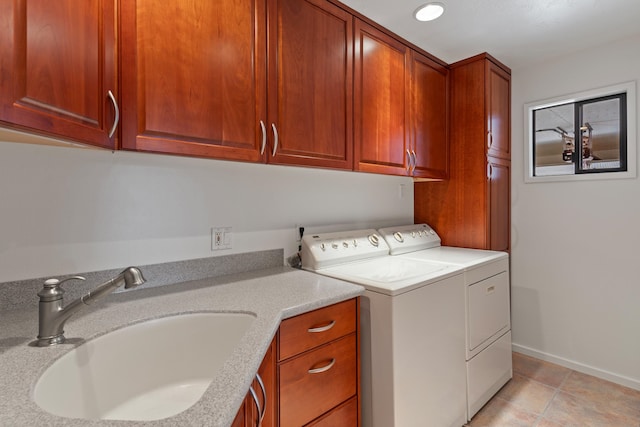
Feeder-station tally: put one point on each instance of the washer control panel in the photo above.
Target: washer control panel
(329, 249)
(409, 238)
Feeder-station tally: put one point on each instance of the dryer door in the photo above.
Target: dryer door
(487, 311)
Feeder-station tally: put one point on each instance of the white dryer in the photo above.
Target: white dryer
(487, 305)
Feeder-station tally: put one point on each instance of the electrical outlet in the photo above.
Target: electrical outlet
(221, 238)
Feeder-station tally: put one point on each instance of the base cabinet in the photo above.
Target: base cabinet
(319, 367)
(311, 372)
(249, 414)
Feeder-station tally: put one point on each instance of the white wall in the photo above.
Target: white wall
(66, 210)
(576, 257)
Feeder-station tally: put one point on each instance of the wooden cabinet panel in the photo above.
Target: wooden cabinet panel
(57, 67)
(311, 83)
(498, 105)
(499, 203)
(305, 394)
(346, 415)
(315, 328)
(429, 117)
(240, 420)
(194, 77)
(381, 102)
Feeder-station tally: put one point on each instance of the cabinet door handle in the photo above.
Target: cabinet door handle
(324, 368)
(275, 139)
(415, 160)
(264, 400)
(264, 137)
(116, 119)
(322, 328)
(257, 402)
(489, 139)
(408, 161)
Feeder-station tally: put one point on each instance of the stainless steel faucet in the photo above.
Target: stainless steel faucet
(52, 315)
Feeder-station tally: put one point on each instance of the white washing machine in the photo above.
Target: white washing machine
(487, 305)
(412, 329)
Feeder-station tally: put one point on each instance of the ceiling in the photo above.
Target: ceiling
(518, 33)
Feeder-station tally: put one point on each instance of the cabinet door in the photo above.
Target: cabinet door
(498, 102)
(429, 117)
(381, 102)
(248, 414)
(310, 84)
(57, 67)
(499, 204)
(268, 400)
(194, 76)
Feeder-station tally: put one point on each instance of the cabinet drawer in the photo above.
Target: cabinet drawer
(305, 395)
(317, 327)
(345, 415)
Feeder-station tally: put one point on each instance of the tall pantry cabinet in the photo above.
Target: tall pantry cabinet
(472, 208)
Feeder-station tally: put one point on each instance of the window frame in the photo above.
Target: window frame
(627, 145)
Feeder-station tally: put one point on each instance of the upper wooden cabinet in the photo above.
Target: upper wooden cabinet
(58, 68)
(194, 77)
(310, 84)
(498, 107)
(472, 208)
(400, 108)
(381, 102)
(429, 118)
(297, 82)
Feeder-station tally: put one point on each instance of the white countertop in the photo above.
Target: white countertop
(272, 295)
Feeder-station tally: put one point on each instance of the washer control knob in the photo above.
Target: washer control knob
(432, 232)
(374, 240)
(398, 236)
(413, 234)
(345, 244)
(355, 243)
(334, 245)
(323, 247)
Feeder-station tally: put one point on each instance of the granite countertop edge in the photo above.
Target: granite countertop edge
(271, 294)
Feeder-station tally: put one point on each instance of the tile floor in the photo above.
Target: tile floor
(543, 394)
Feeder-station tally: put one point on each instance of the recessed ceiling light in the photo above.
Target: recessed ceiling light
(429, 11)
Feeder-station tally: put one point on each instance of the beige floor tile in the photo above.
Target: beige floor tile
(539, 370)
(603, 394)
(543, 422)
(527, 394)
(500, 413)
(571, 411)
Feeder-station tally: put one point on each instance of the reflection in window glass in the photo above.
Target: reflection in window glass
(588, 136)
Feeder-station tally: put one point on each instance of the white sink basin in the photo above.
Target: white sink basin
(147, 371)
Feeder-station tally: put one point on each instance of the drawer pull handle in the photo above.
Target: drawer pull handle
(322, 328)
(324, 368)
(490, 289)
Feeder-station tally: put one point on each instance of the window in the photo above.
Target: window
(590, 135)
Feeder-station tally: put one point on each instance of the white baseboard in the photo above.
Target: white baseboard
(576, 366)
